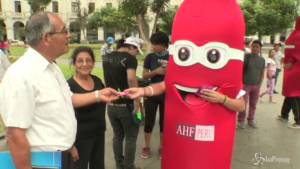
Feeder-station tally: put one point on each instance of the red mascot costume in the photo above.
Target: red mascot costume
(291, 80)
(207, 52)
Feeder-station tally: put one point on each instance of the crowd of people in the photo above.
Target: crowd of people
(69, 116)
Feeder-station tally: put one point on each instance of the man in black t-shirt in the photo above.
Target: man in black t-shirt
(120, 73)
(154, 70)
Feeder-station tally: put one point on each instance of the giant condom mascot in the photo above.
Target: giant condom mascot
(207, 52)
(291, 80)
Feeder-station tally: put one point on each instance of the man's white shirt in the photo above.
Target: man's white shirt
(35, 96)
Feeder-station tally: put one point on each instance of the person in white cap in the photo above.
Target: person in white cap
(119, 69)
(135, 42)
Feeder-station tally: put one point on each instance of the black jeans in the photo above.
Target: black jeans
(288, 104)
(151, 105)
(126, 130)
(91, 152)
(66, 160)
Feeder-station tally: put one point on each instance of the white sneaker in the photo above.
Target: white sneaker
(252, 124)
(280, 118)
(295, 126)
(241, 125)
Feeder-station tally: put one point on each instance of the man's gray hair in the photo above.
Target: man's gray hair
(37, 25)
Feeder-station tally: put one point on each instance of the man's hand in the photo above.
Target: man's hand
(160, 70)
(108, 95)
(74, 153)
(19, 147)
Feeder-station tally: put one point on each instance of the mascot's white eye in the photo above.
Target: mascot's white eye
(213, 55)
(184, 53)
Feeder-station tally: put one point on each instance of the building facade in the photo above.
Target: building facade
(15, 13)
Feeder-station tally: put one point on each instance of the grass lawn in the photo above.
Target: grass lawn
(68, 71)
(1, 126)
(17, 51)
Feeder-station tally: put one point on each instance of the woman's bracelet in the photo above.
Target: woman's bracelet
(151, 91)
(97, 95)
(225, 99)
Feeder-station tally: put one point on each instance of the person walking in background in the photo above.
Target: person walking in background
(254, 67)
(88, 149)
(4, 64)
(271, 71)
(36, 103)
(120, 73)
(247, 45)
(279, 61)
(107, 47)
(291, 102)
(4, 45)
(154, 69)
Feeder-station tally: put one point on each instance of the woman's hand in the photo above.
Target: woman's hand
(108, 95)
(212, 96)
(135, 92)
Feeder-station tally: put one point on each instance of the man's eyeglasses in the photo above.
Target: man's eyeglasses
(64, 31)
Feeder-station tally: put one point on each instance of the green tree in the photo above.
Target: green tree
(115, 20)
(82, 19)
(38, 5)
(167, 18)
(140, 13)
(2, 30)
(268, 17)
(158, 7)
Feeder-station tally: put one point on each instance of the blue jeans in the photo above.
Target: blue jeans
(276, 75)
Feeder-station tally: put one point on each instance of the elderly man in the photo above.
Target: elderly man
(36, 102)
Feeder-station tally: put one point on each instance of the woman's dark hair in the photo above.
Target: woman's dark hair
(82, 49)
(160, 38)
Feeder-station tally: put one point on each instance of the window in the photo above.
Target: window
(18, 7)
(91, 7)
(55, 6)
(74, 7)
(109, 5)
